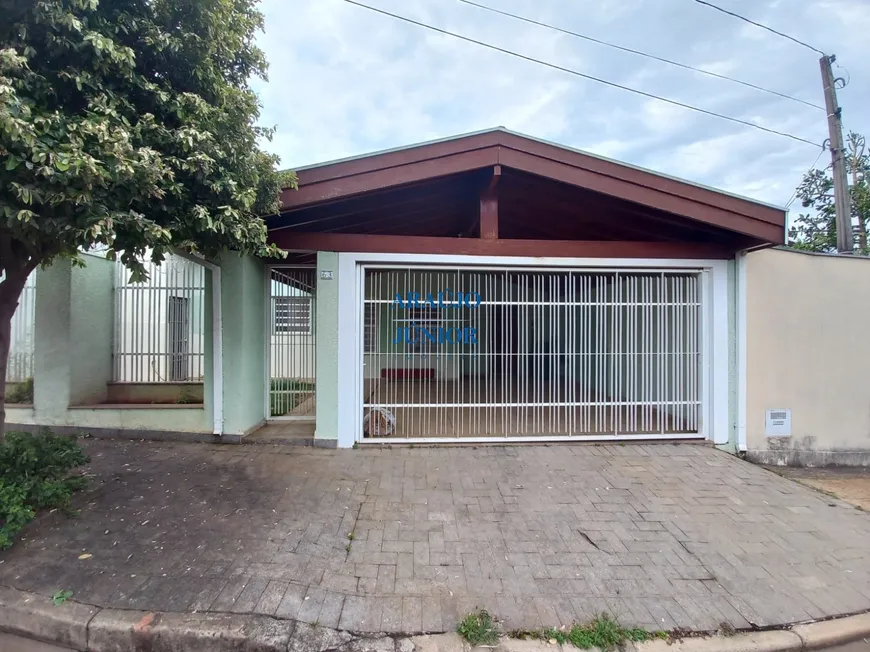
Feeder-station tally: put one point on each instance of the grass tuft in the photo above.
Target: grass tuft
(603, 632)
(60, 597)
(478, 628)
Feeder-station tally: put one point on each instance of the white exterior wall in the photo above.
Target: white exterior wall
(807, 322)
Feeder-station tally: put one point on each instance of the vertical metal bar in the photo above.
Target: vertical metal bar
(699, 343)
(618, 356)
(635, 346)
(133, 333)
(130, 318)
(542, 352)
(682, 355)
(631, 345)
(588, 360)
(158, 319)
(117, 344)
(598, 325)
(484, 365)
(138, 332)
(655, 328)
(570, 352)
(660, 375)
(523, 326)
(539, 362)
(669, 352)
(675, 353)
(559, 325)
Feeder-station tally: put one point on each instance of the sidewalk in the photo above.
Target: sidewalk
(661, 537)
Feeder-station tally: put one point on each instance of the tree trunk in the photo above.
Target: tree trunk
(5, 337)
(10, 293)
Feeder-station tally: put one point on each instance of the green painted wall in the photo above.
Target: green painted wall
(73, 340)
(92, 329)
(244, 331)
(327, 363)
(52, 322)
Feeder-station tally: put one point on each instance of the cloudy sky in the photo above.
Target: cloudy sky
(345, 81)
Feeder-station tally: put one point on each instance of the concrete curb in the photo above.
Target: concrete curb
(812, 636)
(112, 629)
(816, 636)
(35, 616)
(769, 641)
(87, 628)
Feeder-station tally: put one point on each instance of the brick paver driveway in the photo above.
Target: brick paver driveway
(660, 536)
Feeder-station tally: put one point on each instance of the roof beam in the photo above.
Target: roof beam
(489, 207)
(399, 244)
(381, 179)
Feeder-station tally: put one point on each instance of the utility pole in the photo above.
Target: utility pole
(842, 201)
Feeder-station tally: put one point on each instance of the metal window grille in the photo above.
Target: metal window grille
(21, 347)
(370, 328)
(292, 314)
(159, 323)
(535, 353)
(293, 342)
(178, 318)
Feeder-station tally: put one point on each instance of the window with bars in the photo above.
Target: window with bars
(293, 315)
(370, 329)
(178, 322)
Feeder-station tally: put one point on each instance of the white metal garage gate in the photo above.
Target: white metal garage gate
(507, 352)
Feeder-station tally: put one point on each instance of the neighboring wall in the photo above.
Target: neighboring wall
(807, 324)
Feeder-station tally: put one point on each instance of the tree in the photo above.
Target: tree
(129, 125)
(817, 230)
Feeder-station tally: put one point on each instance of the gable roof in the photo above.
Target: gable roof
(351, 177)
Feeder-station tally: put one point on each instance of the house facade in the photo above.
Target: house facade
(493, 287)
(484, 288)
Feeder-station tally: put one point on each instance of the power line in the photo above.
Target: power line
(752, 22)
(580, 74)
(638, 52)
(812, 167)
